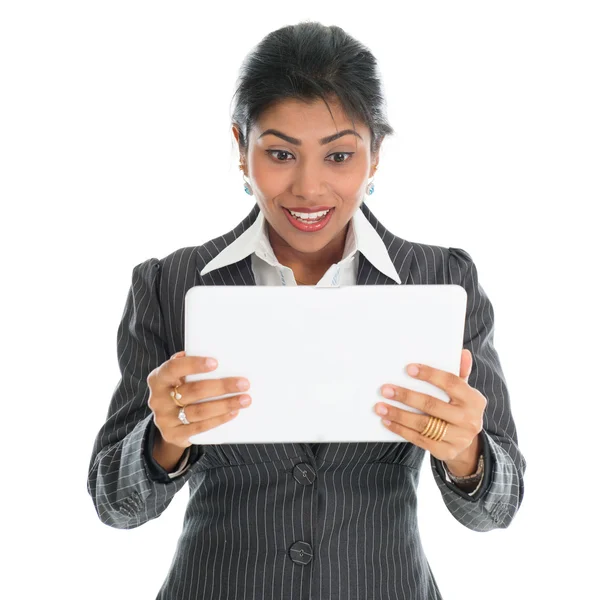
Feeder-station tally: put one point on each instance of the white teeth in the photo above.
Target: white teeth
(310, 216)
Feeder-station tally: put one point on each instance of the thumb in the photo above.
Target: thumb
(466, 364)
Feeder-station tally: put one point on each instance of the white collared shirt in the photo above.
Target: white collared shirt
(269, 271)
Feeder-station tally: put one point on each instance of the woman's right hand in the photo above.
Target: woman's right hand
(202, 416)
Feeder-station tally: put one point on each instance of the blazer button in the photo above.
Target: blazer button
(304, 473)
(301, 553)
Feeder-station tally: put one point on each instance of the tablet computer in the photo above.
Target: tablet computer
(316, 357)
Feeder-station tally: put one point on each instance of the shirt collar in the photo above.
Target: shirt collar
(362, 237)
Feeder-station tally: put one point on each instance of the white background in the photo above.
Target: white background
(115, 147)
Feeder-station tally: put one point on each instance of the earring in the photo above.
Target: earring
(247, 187)
(371, 186)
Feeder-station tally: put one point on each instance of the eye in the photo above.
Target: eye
(348, 154)
(271, 152)
(280, 152)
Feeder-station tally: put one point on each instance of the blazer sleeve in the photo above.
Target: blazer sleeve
(496, 502)
(158, 473)
(127, 486)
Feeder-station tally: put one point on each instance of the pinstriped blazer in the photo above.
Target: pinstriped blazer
(294, 521)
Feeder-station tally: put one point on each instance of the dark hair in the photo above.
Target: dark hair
(309, 61)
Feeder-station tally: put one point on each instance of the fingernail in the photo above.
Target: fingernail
(211, 363)
(413, 370)
(387, 391)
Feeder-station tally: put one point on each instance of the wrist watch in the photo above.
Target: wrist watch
(469, 478)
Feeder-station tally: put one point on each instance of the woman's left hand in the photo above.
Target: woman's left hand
(464, 414)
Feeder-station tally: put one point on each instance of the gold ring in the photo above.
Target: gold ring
(176, 396)
(435, 429)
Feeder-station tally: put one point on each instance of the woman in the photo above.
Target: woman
(299, 520)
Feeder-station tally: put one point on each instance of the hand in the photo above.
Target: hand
(460, 446)
(202, 416)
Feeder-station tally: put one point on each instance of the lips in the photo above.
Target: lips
(309, 227)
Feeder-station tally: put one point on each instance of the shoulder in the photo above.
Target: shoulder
(438, 264)
(186, 260)
(177, 270)
(173, 262)
(431, 252)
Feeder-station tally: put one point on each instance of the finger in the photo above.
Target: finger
(193, 391)
(202, 411)
(414, 421)
(440, 450)
(187, 431)
(456, 388)
(466, 364)
(424, 402)
(182, 433)
(172, 372)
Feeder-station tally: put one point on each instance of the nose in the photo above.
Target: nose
(309, 180)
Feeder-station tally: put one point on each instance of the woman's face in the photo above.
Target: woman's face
(302, 172)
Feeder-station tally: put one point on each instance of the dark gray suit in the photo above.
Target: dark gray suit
(280, 521)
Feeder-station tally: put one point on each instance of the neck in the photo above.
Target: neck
(308, 268)
(299, 282)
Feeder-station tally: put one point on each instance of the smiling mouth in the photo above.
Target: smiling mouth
(327, 212)
(309, 225)
(309, 212)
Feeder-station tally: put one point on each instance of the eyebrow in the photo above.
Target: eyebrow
(326, 140)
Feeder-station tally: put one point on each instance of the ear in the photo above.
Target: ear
(375, 159)
(374, 165)
(236, 134)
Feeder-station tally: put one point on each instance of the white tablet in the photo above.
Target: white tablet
(316, 357)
